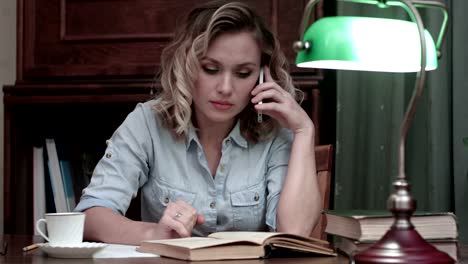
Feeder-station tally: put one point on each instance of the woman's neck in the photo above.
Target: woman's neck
(211, 137)
(214, 133)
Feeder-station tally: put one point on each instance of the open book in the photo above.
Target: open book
(234, 245)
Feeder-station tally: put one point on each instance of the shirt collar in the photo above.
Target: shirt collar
(191, 137)
(237, 136)
(234, 135)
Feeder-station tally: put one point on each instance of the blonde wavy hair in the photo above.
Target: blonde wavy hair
(180, 63)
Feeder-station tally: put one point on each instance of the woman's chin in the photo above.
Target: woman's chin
(222, 118)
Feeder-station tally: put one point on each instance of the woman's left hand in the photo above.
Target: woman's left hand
(280, 105)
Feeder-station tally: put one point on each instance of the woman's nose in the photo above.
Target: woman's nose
(226, 85)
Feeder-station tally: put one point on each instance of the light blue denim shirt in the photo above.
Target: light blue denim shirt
(142, 153)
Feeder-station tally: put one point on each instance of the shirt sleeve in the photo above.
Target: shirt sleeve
(125, 165)
(277, 168)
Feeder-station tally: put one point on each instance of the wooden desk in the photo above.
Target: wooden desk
(16, 255)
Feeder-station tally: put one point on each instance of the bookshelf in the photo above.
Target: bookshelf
(82, 66)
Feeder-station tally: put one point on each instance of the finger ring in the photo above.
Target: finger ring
(177, 215)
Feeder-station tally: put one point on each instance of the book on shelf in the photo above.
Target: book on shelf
(352, 247)
(49, 194)
(66, 171)
(56, 176)
(371, 225)
(235, 245)
(39, 188)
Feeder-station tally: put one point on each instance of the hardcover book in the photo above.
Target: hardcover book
(368, 225)
(235, 245)
(39, 192)
(65, 169)
(352, 247)
(56, 176)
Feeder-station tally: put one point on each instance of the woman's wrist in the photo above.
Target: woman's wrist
(308, 130)
(151, 231)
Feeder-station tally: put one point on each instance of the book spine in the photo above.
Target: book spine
(65, 168)
(39, 192)
(56, 177)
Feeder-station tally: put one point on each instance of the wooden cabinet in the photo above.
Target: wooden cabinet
(82, 67)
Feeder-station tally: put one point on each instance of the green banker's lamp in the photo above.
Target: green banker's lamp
(384, 45)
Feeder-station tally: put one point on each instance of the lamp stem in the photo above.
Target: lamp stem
(306, 17)
(420, 76)
(419, 86)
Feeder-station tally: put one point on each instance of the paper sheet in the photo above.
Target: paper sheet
(121, 251)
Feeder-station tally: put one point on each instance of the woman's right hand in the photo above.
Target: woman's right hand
(178, 220)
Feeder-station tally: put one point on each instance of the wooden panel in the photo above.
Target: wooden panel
(98, 39)
(110, 20)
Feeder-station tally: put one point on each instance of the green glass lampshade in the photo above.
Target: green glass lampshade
(366, 44)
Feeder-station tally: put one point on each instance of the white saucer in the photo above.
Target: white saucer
(83, 250)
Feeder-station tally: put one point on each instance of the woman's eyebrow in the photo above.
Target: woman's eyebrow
(247, 64)
(209, 59)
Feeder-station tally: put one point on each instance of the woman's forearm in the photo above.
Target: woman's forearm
(300, 203)
(103, 224)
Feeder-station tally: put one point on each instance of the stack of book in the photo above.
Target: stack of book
(358, 230)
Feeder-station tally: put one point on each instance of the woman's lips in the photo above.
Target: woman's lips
(220, 105)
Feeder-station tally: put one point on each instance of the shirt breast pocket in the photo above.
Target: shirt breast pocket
(164, 194)
(248, 208)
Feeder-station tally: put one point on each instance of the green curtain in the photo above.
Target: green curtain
(459, 142)
(370, 109)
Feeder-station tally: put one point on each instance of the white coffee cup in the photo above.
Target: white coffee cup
(63, 229)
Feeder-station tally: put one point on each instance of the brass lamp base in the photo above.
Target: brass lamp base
(403, 246)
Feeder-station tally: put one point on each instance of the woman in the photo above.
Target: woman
(202, 161)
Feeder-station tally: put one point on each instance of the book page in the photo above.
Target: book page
(122, 251)
(267, 237)
(254, 237)
(192, 242)
(310, 249)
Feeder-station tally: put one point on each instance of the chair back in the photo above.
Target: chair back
(324, 164)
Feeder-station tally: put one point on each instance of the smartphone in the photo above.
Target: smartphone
(260, 81)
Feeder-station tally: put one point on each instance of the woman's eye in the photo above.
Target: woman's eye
(210, 70)
(244, 74)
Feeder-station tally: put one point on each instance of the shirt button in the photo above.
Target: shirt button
(166, 200)
(256, 197)
(212, 205)
(108, 155)
(221, 168)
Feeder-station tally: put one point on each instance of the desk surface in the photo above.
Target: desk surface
(16, 255)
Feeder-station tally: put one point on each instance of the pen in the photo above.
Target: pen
(30, 247)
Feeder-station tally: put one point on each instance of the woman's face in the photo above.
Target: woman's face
(228, 73)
